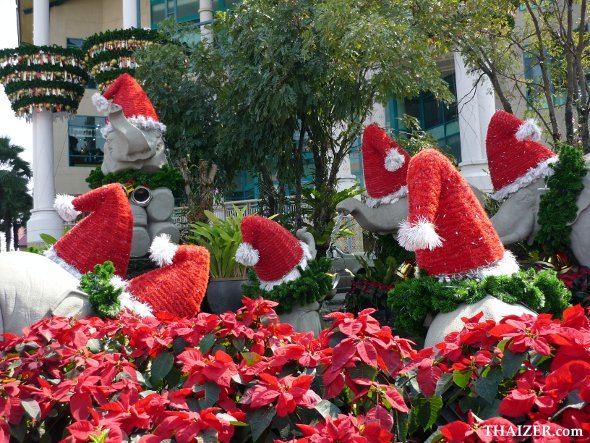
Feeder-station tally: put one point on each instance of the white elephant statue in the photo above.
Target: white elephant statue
(384, 219)
(128, 147)
(33, 287)
(517, 217)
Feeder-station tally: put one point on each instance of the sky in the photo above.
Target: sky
(19, 131)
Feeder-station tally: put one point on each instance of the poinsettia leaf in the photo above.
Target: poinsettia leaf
(327, 409)
(428, 377)
(32, 408)
(207, 343)
(260, 420)
(512, 362)
(212, 392)
(443, 383)
(93, 345)
(462, 378)
(487, 387)
(161, 366)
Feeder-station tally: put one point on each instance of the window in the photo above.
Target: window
(438, 119)
(86, 143)
(356, 162)
(77, 43)
(535, 93)
(183, 10)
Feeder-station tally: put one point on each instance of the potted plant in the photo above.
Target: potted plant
(222, 238)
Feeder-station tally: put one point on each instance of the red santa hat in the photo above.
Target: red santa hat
(137, 107)
(274, 252)
(178, 286)
(385, 165)
(105, 234)
(515, 156)
(447, 226)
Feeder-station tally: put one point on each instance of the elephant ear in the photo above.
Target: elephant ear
(583, 201)
(73, 304)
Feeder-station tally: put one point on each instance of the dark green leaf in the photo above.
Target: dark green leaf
(259, 420)
(511, 363)
(161, 366)
(487, 387)
(207, 343)
(327, 409)
(32, 408)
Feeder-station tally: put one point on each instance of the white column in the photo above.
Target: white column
(206, 14)
(476, 106)
(43, 219)
(345, 177)
(129, 14)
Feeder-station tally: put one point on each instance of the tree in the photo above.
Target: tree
(15, 200)
(185, 104)
(496, 37)
(301, 70)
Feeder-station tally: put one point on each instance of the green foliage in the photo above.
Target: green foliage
(558, 209)
(15, 200)
(314, 285)
(165, 177)
(412, 300)
(102, 294)
(314, 201)
(221, 238)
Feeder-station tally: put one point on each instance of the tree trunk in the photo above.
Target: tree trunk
(543, 64)
(15, 227)
(571, 90)
(267, 190)
(299, 174)
(8, 234)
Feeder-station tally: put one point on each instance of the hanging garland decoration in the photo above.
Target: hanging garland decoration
(38, 78)
(558, 208)
(110, 54)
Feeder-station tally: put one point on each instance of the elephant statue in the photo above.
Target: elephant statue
(384, 219)
(128, 147)
(33, 287)
(517, 217)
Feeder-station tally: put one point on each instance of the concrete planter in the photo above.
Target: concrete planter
(304, 318)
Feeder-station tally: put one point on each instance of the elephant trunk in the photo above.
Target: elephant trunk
(138, 147)
(384, 219)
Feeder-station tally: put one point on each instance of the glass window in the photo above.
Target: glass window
(535, 92)
(183, 10)
(440, 120)
(86, 143)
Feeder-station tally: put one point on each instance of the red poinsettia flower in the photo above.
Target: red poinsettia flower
(527, 332)
(218, 368)
(495, 429)
(289, 391)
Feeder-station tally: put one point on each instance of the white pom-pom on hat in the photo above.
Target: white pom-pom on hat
(162, 250)
(247, 255)
(529, 130)
(65, 208)
(394, 160)
(420, 235)
(101, 103)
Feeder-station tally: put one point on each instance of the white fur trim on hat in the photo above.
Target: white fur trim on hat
(390, 199)
(420, 235)
(542, 170)
(293, 274)
(507, 265)
(394, 160)
(140, 122)
(65, 208)
(162, 250)
(52, 255)
(128, 301)
(247, 255)
(100, 102)
(529, 130)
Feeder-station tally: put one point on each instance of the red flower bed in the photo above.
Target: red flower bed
(245, 377)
